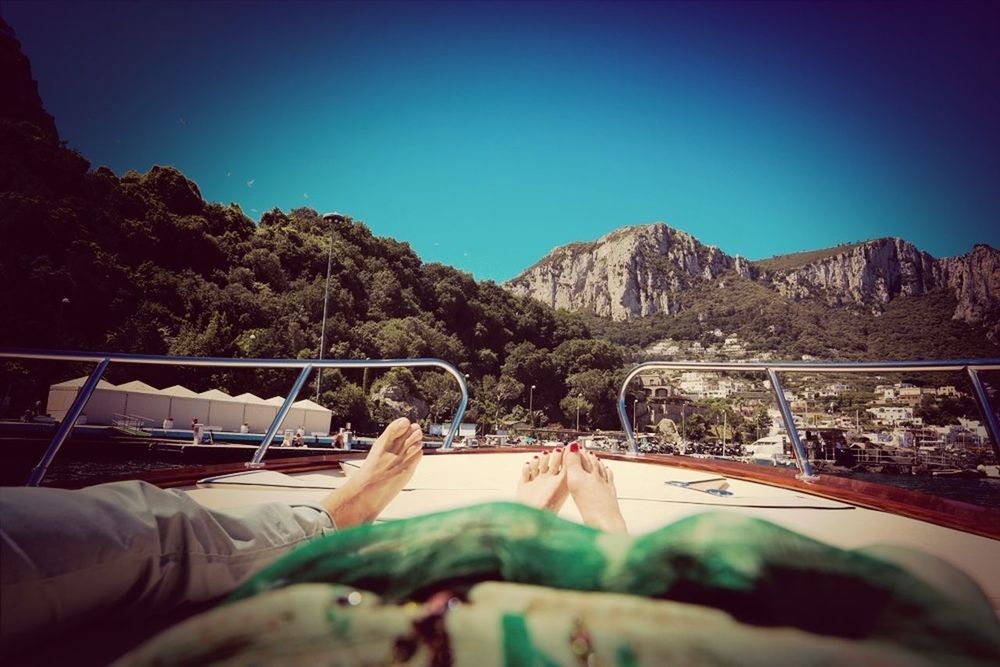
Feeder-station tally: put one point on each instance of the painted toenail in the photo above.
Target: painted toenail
(558, 449)
(573, 447)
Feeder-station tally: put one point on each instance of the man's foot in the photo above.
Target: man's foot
(388, 467)
(593, 488)
(543, 481)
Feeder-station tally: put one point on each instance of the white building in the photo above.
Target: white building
(892, 415)
(177, 406)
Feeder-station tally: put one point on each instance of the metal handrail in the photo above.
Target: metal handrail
(806, 472)
(307, 366)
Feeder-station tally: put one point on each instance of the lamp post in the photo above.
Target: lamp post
(62, 319)
(635, 414)
(531, 405)
(332, 219)
(579, 397)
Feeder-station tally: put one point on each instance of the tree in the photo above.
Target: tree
(695, 427)
(493, 398)
(531, 365)
(573, 405)
(574, 356)
(441, 393)
(347, 402)
(599, 389)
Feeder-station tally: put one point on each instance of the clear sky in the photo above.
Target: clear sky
(485, 134)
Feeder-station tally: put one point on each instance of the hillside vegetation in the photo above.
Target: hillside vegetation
(91, 260)
(910, 328)
(797, 259)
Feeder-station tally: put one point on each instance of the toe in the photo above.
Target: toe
(535, 464)
(556, 461)
(543, 465)
(572, 457)
(526, 472)
(396, 429)
(415, 437)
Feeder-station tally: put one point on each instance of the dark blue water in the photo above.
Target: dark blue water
(68, 469)
(981, 491)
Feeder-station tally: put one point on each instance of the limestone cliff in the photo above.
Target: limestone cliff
(867, 274)
(642, 270)
(631, 272)
(975, 281)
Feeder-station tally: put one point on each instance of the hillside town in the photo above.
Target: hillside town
(876, 424)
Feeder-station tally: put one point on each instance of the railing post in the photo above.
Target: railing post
(806, 473)
(68, 422)
(990, 417)
(457, 421)
(278, 418)
(633, 447)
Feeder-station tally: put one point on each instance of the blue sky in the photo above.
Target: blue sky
(485, 134)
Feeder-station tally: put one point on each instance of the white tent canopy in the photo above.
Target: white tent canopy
(309, 416)
(213, 408)
(104, 403)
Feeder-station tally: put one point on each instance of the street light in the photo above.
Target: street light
(61, 325)
(635, 414)
(332, 219)
(579, 397)
(531, 405)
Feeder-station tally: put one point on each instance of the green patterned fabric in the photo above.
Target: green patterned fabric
(759, 573)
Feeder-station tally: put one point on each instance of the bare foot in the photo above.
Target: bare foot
(593, 489)
(543, 482)
(388, 467)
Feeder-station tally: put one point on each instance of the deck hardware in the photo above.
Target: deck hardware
(716, 486)
(103, 360)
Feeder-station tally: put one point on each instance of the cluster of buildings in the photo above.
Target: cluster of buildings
(889, 420)
(906, 393)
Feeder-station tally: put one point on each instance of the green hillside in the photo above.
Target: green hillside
(91, 260)
(910, 328)
(799, 259)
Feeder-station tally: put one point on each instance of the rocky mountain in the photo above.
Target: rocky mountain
(644, 270)
(631, 272)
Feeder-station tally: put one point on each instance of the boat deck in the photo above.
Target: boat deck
(650, 497)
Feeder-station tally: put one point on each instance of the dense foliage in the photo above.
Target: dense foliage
(910, 328)
(141, 263)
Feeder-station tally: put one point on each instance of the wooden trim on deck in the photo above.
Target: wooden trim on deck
(969, 518)
(944, 512)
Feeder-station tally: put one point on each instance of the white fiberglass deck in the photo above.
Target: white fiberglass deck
(647, 499)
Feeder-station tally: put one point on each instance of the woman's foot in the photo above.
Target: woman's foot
(543, 481)
(593, 488)
(388, 467)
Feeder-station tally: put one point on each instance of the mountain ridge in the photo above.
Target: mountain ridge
(641, 270)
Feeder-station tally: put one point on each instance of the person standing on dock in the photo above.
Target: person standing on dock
(196, 431)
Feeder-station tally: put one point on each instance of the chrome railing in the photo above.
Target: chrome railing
(307, 365)
(972, 367)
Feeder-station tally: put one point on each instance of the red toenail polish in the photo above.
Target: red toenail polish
(536, 456)
(558, 449)
(573, 447)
